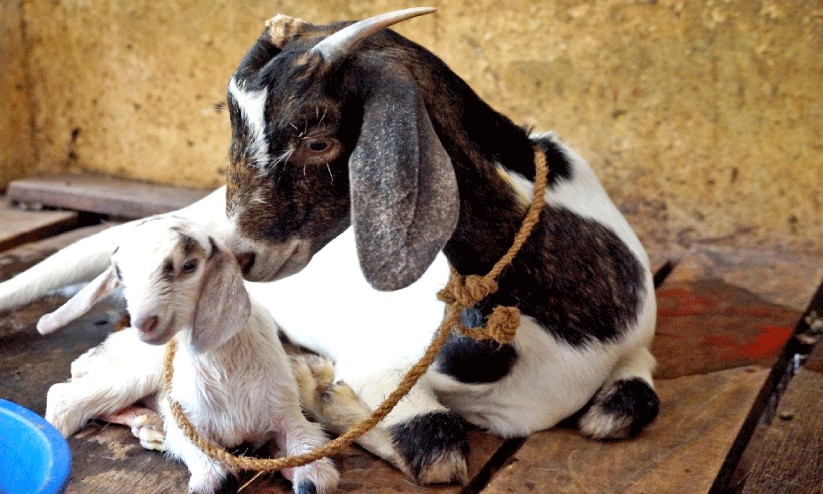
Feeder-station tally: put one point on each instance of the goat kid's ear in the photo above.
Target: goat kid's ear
(80, 303)
(224, 305)
(403, 189)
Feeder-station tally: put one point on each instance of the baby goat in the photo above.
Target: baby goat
(232, 375)
(353, 124)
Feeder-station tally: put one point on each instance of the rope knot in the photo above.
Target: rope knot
(503, 323)
(467, 291)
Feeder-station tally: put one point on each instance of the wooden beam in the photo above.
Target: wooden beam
(18, 226)
(102, 195)
(791, 451)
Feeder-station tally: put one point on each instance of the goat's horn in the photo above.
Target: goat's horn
(340, 43)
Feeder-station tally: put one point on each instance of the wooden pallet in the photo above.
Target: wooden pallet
(723, 320)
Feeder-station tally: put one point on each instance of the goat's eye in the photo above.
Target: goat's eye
(189, 266)
(316, 149)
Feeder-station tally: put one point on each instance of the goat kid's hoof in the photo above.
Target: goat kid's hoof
(149, 430)
(306, 487)
(229, 485)
(319, 477)
(146, 425)
(150, 438)
(435, 448)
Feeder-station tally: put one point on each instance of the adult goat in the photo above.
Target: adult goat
(352, 124)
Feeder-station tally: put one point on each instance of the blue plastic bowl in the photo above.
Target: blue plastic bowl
(34, 457)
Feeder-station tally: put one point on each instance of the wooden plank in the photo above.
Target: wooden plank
(109, 460)
(18, 226)
(681, 451)
(102, 195)
(707, 325)
(790, 456)
(781, 278)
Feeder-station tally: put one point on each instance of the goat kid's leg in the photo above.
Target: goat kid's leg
(113, 376)
(420, 438)
(626, 403)
(298, 436)
(207, 475)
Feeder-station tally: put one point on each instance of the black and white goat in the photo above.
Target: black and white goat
(353, 124)
(232, 375)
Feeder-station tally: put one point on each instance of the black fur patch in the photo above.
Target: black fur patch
(635, 399)
(475, 361)
(575, 277)
(556, 161)
(424, 439)
(190, 245)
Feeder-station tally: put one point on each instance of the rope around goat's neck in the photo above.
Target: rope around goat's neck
(460, 293)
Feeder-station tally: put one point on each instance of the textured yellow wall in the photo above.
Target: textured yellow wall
(703, 119)
(18, 155)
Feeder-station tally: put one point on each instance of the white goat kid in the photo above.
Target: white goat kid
(232, 375)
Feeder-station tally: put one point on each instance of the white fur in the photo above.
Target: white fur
(238, 388)
(252, 104)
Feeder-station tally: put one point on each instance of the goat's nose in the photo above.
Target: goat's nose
(146, 324)
(246, 261)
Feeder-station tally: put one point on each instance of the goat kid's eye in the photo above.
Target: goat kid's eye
(189, 266)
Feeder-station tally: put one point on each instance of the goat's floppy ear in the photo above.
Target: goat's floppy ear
(403, 189)
(80, 303)
(223, 307)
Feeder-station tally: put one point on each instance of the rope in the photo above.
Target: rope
(459, 294)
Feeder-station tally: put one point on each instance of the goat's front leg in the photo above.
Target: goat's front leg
(295, 436)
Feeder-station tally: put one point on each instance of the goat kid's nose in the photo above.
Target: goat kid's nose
(146, 324)
(246, 261)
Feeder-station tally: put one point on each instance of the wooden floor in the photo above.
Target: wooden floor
(724, 320)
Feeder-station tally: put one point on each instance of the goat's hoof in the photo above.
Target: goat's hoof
(620, 410)
(319, 477)
(434, 446)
